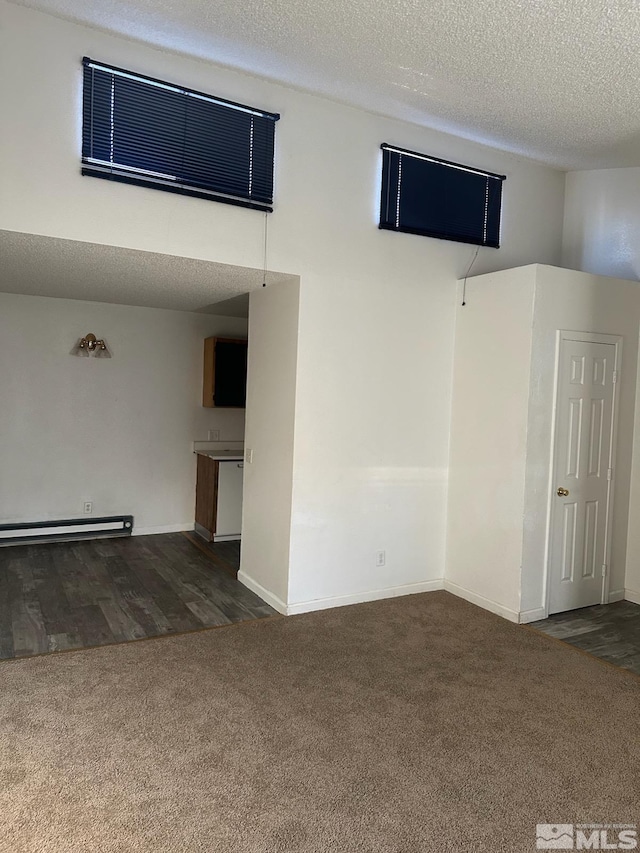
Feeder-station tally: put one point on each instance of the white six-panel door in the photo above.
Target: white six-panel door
(582, 474)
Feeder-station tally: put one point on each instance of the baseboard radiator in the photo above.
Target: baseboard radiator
(65, 530)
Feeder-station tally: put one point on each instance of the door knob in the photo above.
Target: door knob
(562, 493)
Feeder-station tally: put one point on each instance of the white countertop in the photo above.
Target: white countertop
(219, 455)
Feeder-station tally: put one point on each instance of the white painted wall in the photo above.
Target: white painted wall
(632, 576)
(602, 235)
(327, 183)
(376, 310)
(114, 431)
(268, 479)
(489, 439)
(502, 420)
(602, 222)
(576, 301)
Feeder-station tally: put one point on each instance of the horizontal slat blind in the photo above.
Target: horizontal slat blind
(148, 132)
(435, 198)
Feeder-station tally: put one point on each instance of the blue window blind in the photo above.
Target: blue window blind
(144, 131)
(425, 195)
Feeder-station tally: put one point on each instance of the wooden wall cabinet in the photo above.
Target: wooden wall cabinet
(225, 373)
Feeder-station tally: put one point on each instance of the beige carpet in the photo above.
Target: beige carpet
(416, 725)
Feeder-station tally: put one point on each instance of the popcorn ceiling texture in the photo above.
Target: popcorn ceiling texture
(36, 265)
(552, 79)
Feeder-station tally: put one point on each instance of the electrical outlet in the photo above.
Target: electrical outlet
(248, 456)
(381, 558)
(88, 507)
(214, 435)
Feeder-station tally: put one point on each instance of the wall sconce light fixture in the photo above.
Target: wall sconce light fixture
(90, 345)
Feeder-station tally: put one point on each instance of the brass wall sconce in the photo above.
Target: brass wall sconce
(90, 345)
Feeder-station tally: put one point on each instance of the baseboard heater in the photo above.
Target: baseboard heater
(66, 530)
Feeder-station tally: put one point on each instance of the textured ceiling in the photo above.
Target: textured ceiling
(69, 269)
(554, 79)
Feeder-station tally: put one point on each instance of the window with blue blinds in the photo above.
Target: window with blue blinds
(435, 198)
(151, 133)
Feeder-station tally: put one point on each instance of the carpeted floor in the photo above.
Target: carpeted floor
(413, 725)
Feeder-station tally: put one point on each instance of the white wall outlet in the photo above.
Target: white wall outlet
(88, 507)
(214, 435)
(381, 558)
(248, 456)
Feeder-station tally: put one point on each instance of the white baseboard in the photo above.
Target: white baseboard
(163, 528)
(535, 615)
(360, 597)
(527, 616)
(264, 594)
(481, 601)
(336, 601)
(632, 595)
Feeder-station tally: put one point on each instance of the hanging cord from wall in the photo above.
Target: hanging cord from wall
(464, 285)
(264, 263)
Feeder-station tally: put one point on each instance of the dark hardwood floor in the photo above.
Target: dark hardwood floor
(71, 595)
(607, 631)
(225, 555)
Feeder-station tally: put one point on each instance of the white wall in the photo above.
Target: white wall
(114, 431)
(327, 182)
(376, 308)
(602, 235)
(602, 222)
(268, 479)
(575, 301)
(632, 576)
(502, 426)
(489, 439)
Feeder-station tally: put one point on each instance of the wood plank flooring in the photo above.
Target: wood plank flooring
(607, 631)
(226, 555)
(71, 595)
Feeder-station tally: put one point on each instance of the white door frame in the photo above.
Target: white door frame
(592, 338)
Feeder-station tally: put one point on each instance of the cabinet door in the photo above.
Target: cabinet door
(230, 374)
(225, 373)
(206, 489)
(229, 516)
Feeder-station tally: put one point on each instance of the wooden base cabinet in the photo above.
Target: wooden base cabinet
(219, 499)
